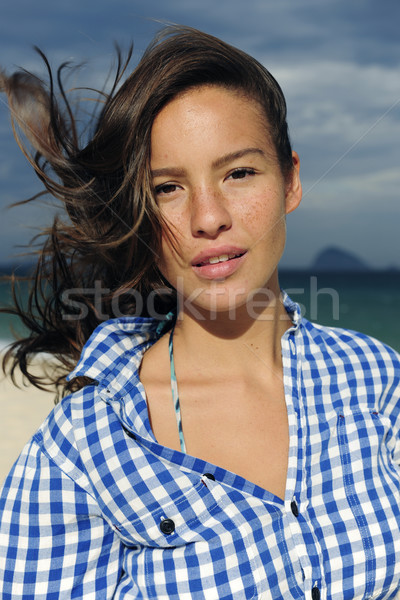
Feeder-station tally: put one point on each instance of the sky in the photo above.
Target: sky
(338, 62)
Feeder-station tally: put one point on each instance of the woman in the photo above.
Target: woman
(219, 446)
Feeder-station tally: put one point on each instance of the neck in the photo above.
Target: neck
(233, 341)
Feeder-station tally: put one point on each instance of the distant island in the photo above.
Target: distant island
(333, 259)
(336, 259)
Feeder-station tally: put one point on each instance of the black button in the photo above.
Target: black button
(295, 511)
(315, 593)
(167, 526)
(209, 476)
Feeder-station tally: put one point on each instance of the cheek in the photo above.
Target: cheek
(171, 259)
(176, 241)
(177, 226)
(165, 260)
(263, 218)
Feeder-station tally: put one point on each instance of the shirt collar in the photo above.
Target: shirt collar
(116, 342)
(293, 310)
(115, 339)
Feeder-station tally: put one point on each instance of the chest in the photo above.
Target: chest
(242, 427)
(347, 495)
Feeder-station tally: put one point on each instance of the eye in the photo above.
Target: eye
(166, 188)
(241, 173)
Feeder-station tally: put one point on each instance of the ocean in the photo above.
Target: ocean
(367, 302)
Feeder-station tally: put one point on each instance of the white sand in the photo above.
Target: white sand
(22, 411)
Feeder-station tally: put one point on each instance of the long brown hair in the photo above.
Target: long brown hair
(109, 240)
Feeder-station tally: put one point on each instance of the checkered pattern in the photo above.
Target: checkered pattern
(94, 508)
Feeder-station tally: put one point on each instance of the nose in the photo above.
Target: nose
(210, 214)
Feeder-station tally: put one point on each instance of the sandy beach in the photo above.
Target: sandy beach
(22, 411)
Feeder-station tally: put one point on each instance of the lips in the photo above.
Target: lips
(214, 260)
(219, 263)
(216, 255)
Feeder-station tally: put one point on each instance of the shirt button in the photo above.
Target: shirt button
(167, 526)
(295, 511)
(315, 594)
(209, 476)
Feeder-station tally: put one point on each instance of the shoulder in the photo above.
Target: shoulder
(98, 414)
(58, 437)
(350, 345)
(369, 367)
(49, 470)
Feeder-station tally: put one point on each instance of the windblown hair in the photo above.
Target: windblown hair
(110, 237)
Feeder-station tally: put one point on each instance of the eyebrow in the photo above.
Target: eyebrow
(227, 158)
(218, 163)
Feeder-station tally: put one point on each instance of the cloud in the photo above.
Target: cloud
(337, 62)
(344, 120)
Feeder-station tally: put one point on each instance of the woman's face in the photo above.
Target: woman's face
(220, 188)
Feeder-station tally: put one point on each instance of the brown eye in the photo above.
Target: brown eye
(166, 188)
(241, 173)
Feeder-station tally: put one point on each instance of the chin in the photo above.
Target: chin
(214, 305)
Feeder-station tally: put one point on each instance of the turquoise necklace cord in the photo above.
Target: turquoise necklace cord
(174, 390)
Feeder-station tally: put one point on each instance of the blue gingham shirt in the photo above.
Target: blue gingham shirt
(95, 508)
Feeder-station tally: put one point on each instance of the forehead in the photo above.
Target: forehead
(205, 92)
(216, 113)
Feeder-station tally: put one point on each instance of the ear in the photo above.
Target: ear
(293, 189)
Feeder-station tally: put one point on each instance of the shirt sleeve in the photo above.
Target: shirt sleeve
(54, 542)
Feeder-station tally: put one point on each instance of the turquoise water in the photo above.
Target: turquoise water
(367, 302)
